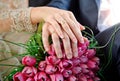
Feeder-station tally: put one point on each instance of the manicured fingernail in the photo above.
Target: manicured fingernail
(83, 27)
(82, 41)
(76, 54)
(61, 36)
(59, 55)
(69, 56)
(47, 49)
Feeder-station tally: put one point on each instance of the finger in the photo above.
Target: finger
(51, 29)
(74, 19)
(74, 49)
(56, 44)
(75, 27)
(45, 36)
(81, 27)
(67, 46)
(56, 27)
(65, 27)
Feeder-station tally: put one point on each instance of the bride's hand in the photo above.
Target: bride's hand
(59, 24)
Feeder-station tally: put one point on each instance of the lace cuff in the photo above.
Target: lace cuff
(21, 20)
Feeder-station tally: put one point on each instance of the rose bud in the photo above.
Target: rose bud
(91, 74)
(90, 53)
(84, 68)
(96, 79)
(30, 79)
(67, 73)
(76, 69)
(52, 60)
(72, 78)
(82, 78)
(81, 48)
(29, 71)
(42, 65)
(19, 77)
(83, 59)
(66, 64)
(41, 76)
(76, 61)
(57, 77)
(80, 51)
(50, 69)
(90, 79)
(96, 59)
(91, 64)
(28, 60)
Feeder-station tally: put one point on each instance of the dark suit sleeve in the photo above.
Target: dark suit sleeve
(62, 4)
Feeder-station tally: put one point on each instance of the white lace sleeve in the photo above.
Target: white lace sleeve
(20, 19)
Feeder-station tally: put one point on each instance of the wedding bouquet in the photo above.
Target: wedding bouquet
(39, 65)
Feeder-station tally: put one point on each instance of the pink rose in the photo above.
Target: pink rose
(41, 76)
(72, 78)
(29, 71)
(50, 69)
(19, 77)
(66, 64)
(52, 60)
(28, 60)
(30, 79)
(42, 65)
(57, 77)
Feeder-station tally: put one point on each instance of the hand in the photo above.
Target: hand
(59, 24)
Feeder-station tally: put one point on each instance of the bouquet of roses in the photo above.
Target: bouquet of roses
(38, 65)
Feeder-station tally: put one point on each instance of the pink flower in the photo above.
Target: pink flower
(28, 60)
(91, 64)
(84, 68)
(96, 59)
(81, 49)
(90, 79)
(30, 79)
(72, 78)
(67, 73)
(82, 78)
(76, 69)
(66, 64)
(29, 71)
(50, 69)
(52, 60)
(83, 59)
(90, 53)
(41, 76)
(57, 77)
(19, 77)
(42, 65)
(96, 79)
(76, 61)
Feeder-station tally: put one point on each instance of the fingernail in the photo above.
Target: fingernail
(61, 36)
(76, 54)
(82, 41)
(83, 27)
(47, 49)
(59, 55)
(69, 56)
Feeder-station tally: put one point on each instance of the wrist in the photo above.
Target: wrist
(35, 15)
